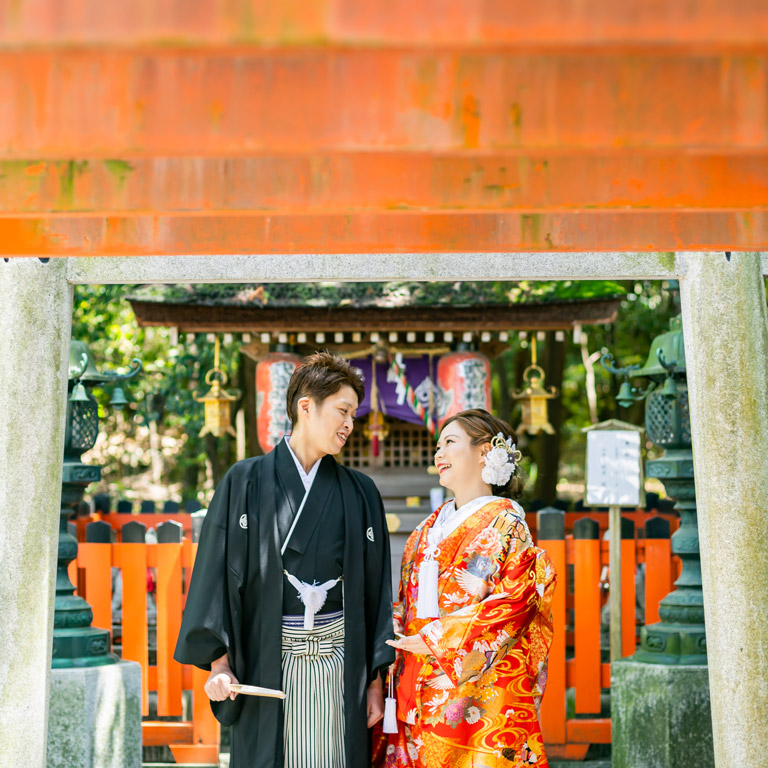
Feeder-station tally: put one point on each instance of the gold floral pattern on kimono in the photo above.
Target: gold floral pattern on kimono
(474, 700)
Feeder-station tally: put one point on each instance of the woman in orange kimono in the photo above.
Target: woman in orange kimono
(474, 615)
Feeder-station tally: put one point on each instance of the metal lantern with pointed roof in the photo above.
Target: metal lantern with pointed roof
(75, 642)
(533, 399)
(218, 402)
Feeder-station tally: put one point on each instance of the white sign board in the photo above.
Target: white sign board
(614, 469)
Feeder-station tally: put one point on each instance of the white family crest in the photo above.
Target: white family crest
(369, 533)
(244, 521)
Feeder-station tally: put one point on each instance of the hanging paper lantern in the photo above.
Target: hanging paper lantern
(272, 376)
(464, 381)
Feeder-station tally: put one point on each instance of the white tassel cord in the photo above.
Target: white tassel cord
(427, 606)
(390, 707)
(312, 595)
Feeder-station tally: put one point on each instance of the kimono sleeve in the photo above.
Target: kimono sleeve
(494, 624)
(378, 583)
(398, 608)
(206, 629)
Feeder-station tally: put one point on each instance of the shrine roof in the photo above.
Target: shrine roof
(394, 305)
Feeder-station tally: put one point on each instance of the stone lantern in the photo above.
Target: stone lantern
(660, 695)
(679, 638)
(94, 716)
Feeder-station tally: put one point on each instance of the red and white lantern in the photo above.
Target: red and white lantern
(273, 373)
(464, 381)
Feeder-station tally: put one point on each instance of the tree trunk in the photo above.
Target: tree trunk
(247, 370)
(499, 367)
(155, 453)
(589, 379)
(548, 448)
(217, 462)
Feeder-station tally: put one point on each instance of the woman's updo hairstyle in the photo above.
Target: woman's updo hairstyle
(482, 427)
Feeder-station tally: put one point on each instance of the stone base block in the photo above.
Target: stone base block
(94, 717)
(660, 716)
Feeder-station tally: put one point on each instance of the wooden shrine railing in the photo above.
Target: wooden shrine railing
(190, 741)
(576, 659)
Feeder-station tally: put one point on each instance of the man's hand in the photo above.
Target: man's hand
(218, 682)
(375, 702)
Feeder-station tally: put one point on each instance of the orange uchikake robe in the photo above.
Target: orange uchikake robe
(474, 701)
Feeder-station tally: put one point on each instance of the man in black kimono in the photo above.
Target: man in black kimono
(284, 531)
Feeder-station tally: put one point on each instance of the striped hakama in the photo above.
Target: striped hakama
(313, 682)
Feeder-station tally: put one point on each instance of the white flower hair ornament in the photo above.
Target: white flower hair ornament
(501, 461)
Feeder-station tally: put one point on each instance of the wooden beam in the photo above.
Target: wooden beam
(156, 733)
(123, 102)
(381, 232)
(388, 22)
(198, 318)
(525, 180)
(593, 731)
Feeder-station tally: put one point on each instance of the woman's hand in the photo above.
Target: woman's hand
(412, 644)
(217, 686)
(375, 698)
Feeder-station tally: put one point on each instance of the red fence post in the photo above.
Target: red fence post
(627, 586)
(168, 617)
(551, 533)
(95, 558)
(133, 556)
(586, 578)
(658, 566)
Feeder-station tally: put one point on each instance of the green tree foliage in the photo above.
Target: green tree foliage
(162, 397)
(644, 313)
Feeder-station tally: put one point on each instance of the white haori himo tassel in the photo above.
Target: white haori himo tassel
(429, 570)
(312, 595)
(390, 708)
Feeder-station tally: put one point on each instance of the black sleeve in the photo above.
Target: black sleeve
(378, 581)
(206, 627)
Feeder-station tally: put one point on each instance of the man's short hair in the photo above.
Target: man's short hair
(319, 376)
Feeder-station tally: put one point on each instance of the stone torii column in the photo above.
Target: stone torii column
(35, 325)
(726, 349)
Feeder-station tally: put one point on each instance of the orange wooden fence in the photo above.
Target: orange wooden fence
(191, 741)
(576, 660)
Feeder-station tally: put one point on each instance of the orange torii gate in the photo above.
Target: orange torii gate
(338, 126)
(374, 139)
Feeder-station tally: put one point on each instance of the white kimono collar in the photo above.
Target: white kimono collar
(450, 518)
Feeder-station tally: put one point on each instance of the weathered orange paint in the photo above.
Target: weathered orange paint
(122, 103)
(381, 232)
(353, 181)
(413, 22)
(338, 126)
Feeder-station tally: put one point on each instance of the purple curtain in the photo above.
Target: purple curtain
(391, 395)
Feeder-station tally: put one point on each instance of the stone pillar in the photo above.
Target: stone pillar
(726, 347)
(35, 323)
